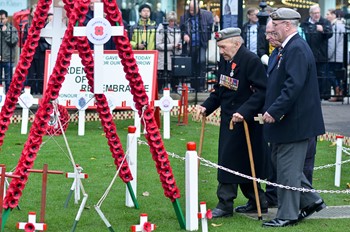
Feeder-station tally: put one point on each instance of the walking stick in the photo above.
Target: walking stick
(252, 167)
(201, 138)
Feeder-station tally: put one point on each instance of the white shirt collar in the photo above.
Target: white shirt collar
(287, 39)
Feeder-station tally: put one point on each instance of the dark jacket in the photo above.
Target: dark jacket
(248, 100)
(206, 25)
(262, 43)
(292, 96)
(318, 41)
(8, 42)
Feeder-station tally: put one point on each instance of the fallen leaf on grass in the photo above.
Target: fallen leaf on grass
(93, 158)
(145, 194)
(216, 225)
(333, 144)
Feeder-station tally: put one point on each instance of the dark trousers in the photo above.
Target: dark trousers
(226, 194)
(198, 55)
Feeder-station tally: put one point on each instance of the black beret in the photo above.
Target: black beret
(144, 6)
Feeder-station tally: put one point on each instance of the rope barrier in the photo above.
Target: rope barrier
(216, 166)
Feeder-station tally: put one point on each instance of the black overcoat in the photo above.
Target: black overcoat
(247, 100)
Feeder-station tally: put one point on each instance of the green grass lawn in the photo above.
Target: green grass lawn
(92, 153)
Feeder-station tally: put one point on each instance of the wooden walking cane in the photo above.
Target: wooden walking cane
(252, 167)
(201, 138)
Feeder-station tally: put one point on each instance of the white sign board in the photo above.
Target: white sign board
(76, 80)
(13, 6)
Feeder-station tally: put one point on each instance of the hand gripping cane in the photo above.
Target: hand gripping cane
(252, 167)
(201, 138)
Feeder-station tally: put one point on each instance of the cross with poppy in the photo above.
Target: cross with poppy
(98, 32)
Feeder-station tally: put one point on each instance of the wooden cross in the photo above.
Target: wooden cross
(204, 215)
(45, 172)
(26, 100)
(31, 225)
(259, 119)
(144, 225)
(53, 34)
(77, 175)
(3, 175)
(99, 31)
(166, 103)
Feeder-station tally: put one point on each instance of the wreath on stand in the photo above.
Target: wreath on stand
(60, 114)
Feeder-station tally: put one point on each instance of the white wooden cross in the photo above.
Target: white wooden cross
(82, 102)
(26, 100)
(143, 223)
(204, 215)
(53, 33)
(259, 119)
(166, 103)
(31, 225)
(2, 97)
(77, 175)
(99, 31)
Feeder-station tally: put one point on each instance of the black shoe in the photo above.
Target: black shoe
(250, 208)
(279, 223)
(217, 213)
(308, 210)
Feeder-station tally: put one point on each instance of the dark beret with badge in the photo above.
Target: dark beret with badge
(227, 33)
(285, 14)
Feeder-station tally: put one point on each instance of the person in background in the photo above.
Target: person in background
(158, 16)
(335, 52)
(240, 92)
(292, 116)
(8, 45)
(196, 25)
(317, 31)
(173, 45)
(254, 34)
(143, 34)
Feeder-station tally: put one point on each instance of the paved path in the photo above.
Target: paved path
(337, 117)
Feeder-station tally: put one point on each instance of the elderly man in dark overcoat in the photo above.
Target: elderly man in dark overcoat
(240, 93)
(293, 115)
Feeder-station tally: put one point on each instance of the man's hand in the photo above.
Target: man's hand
(319, 28)
(200, 110)
(140, 46)
(186, 38)
(268, 118)
(237, 117)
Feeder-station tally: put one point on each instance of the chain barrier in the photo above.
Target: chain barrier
(214, 165)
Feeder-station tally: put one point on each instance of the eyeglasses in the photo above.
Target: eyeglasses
(270, 33)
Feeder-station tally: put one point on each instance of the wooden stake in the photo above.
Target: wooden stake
(45, 172)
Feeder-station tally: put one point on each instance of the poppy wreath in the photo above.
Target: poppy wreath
(105, 115)
(141, 103)
(25, 58)
(54, 127)
(45, 109)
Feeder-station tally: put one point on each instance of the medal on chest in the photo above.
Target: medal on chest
(233, 66)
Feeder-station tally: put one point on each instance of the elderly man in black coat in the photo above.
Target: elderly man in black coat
(240, 93)
(293, 115)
